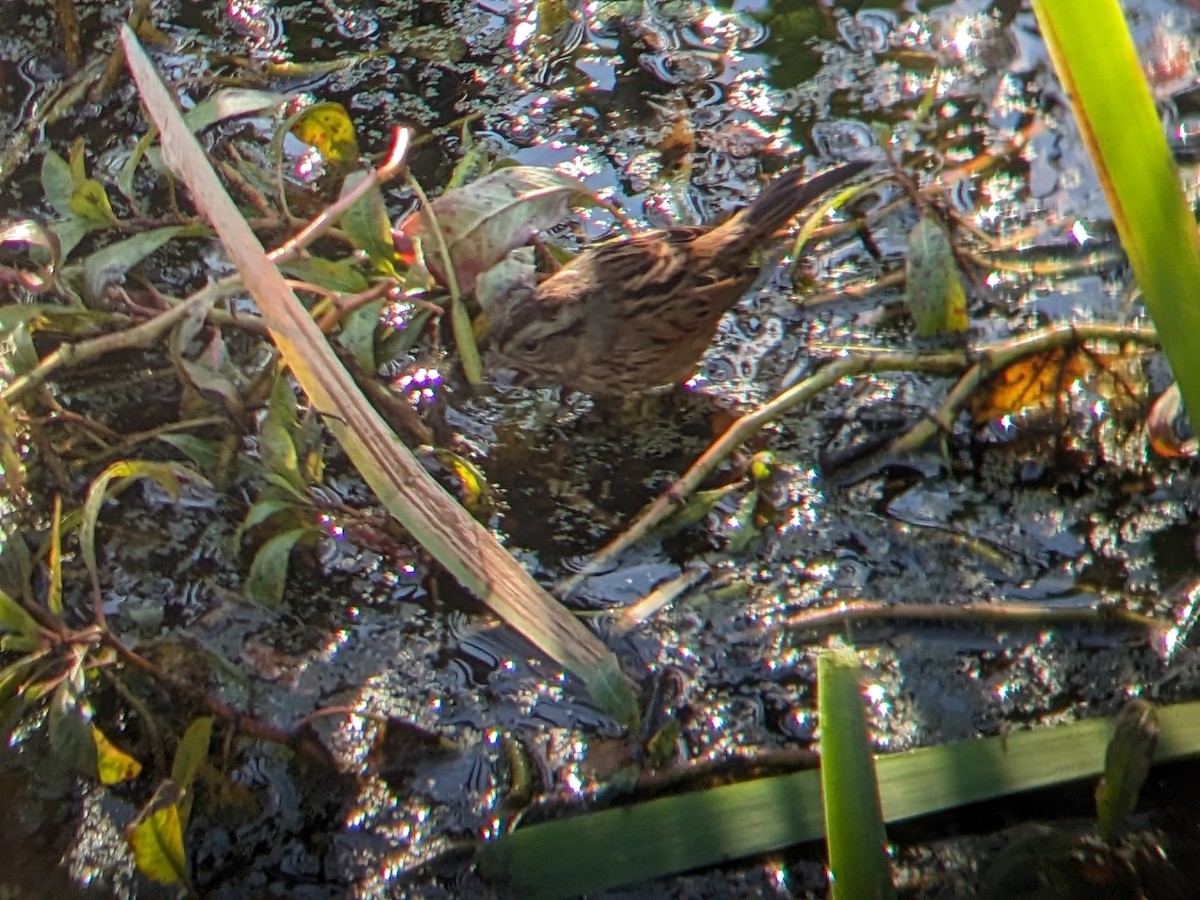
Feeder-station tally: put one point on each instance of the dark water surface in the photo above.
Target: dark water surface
(676, 111)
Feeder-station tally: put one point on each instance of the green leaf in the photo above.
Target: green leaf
(16, 565)
(214, 377)
(57, 184)
(471, 165)
(282, 403)
(156, 837)
(70, 232)
(341, 275)
(261, 511)
(191, 752)
(472, 482)
(90, 202)
(231, 103)
(54, 560)
(854, 831)
(934, 288)
(279, 451)
(1127, 762)
(744, 528)
(20, 628)
(110, 264)
(268, 572)
(203, 452)
(464, 341)
(70, 731)
(18, 355)
(358, 334)
(60, 320)
(129, 169)
(120, 475)
(1103, 79)
(367, 225)
(13, 696)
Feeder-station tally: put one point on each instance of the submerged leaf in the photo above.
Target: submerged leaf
(934, 291)
(1038, 382)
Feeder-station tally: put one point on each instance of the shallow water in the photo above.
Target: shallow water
(675, 111)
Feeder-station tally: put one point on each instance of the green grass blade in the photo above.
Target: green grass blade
(1099, 68)
(854, 833)
(601, 850)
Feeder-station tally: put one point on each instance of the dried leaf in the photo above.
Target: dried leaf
(1033, 382)
(483, 221)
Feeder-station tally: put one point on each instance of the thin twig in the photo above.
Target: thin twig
(852, 361)
(1003, 613)
(85, 351)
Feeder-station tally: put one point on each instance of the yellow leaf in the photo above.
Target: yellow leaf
(157, 842)
(90, 201)
(1038, 381)
(327, 127)
(112, 764)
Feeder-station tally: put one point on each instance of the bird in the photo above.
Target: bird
(635, 313)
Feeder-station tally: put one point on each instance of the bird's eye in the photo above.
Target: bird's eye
(531, 345)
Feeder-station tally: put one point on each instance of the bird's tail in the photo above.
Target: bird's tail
(781, 200)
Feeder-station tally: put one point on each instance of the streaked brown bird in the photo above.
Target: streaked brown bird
(635, 313)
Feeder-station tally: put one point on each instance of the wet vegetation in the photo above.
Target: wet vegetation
(303, 593)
